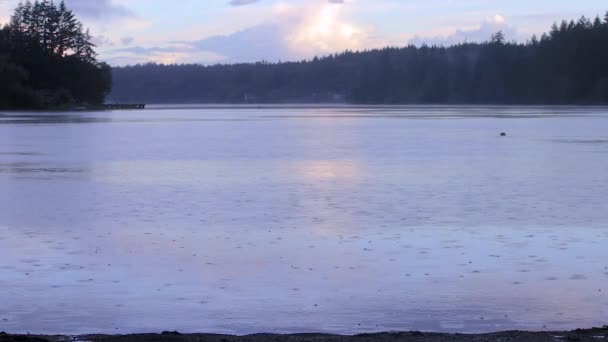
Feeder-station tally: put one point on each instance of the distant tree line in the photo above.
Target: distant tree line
(47, 59)
(568, 65)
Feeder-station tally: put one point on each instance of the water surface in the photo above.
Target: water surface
(295, 219)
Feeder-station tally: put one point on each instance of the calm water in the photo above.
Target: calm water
(287, 219)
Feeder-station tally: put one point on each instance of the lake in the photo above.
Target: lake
(235, 219)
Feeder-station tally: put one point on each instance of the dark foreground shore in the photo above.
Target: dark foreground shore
(595, 334)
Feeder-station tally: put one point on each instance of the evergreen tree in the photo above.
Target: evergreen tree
(48, 55)
(68, 29)
(53, 29)
(566, 66)
(597, 23)
(498, 38)
(534, 41)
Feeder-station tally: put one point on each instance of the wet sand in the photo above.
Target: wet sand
(594, 334)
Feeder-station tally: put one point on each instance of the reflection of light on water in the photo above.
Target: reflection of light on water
(326, 214)
(197, 172)
(328, 169)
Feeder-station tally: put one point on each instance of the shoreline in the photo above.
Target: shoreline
(291, 105)
(593, 334)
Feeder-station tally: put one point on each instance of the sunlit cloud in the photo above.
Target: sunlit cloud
(230, 31)
(295, 31)
(171, 54)
(320, 29)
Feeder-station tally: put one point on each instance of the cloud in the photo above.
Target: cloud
(242, 46)
(242, 2)
(479, 34)
(127, 40)
(173, 53)
(321, 29)
(98, 9)
(295, 32)
(102, 40)
(248, 2)
(262, 42)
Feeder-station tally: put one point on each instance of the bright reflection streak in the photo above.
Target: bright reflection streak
(328, 169)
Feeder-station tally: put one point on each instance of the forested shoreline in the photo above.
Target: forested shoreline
(567, 65)
(47, 60)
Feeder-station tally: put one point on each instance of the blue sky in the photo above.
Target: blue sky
(227, 31)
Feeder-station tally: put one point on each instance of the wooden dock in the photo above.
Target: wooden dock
(113, 106)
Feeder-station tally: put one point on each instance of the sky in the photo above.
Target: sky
(233, 31)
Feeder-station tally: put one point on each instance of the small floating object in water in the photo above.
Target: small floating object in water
(503, 134)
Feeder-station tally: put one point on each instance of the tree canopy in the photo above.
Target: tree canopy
(47, 59)
(567, 65)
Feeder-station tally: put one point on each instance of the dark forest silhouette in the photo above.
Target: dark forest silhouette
(47, 60)
(568, 65)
